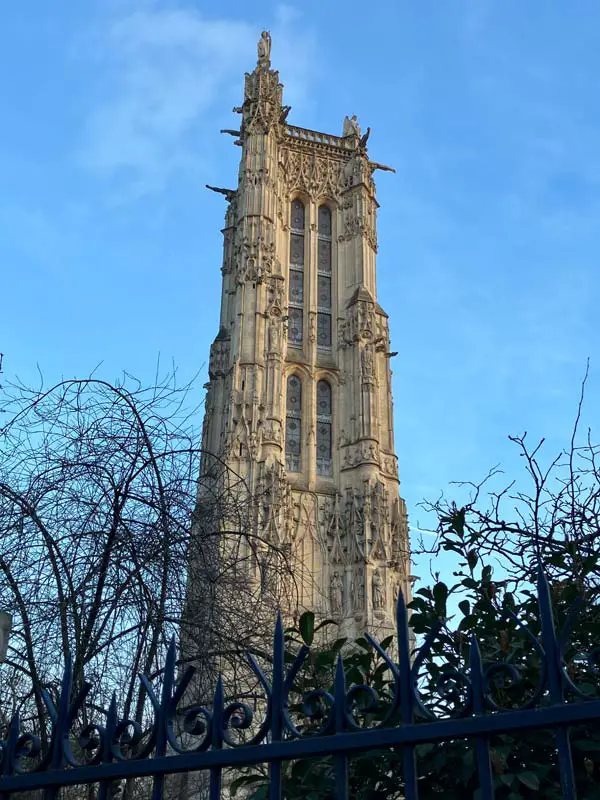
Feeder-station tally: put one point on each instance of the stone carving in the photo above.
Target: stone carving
(333, 527)
(390, 466)
(360, 322)
(255, 258)
(314, 174)
(227, 265)
(357, 589)
(312, 327)
(378, 590)
(275, 297)
(373, 166)
(362, 145)
(264, 50)
(218, 364)
(351, 127)
(367, 503)
(275, 335)
(359, 226)
(366, 362)
(337, 593)
(356, 172)
(272, 432)
(257, 177)
(229, 194)
(262, 97)
(365, 452)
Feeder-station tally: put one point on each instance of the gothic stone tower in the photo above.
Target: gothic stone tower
(299, 400)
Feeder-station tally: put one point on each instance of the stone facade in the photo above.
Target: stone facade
(299, 399)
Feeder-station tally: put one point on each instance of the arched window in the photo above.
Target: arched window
(296, 274)
(324, 431)
(293, 424)
(324, 279)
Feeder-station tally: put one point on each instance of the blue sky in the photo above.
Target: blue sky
(489, 232)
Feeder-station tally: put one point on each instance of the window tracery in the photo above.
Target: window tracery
(296, 273)
(293, 424)
(324, 429)
(324, 275)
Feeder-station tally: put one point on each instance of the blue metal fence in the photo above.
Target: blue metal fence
(101, 754)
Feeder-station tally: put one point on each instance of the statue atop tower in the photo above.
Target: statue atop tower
(264, 50)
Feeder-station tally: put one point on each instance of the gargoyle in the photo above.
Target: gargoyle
(229, 194)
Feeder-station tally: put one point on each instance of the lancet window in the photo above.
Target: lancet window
(324, 279)
(293, 424)
(324, 429)
(296, 273)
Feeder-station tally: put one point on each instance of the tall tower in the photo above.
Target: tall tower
(299, 400)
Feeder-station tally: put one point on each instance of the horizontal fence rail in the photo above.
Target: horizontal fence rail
(208, 738)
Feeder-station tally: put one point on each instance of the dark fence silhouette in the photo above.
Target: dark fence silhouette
(102, 753)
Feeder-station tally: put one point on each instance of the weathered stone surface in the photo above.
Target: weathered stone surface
(338, 513)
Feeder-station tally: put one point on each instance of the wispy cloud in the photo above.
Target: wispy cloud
(162, 71)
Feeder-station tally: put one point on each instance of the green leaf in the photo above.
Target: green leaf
(440, 595)
(425, 593)
(465, 607)
(325, 623)
(586, 744)
(260, 794)
(338, 644)
(246, 780)
(506, 778)
(306, 625)
(472, 558)
(458, 522)
(529, 779)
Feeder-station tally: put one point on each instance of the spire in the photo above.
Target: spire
(262, 108)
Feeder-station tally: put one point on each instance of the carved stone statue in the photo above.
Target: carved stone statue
(312, 326)
(364, 139)
(275, 336)
(337, 593)
(378, 590)
(357, 590)
(366, 359)
(351, 127)
(264, 50)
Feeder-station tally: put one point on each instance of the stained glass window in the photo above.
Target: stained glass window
(296, 273)
(323, 399)
(296, 286)
(324, 284)
(293, 424)
(297, 249)
(324, 330)
(324, 221)
(295, 325)
(324, 255)
(297, 216)
(324, 292)
(324, 429)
